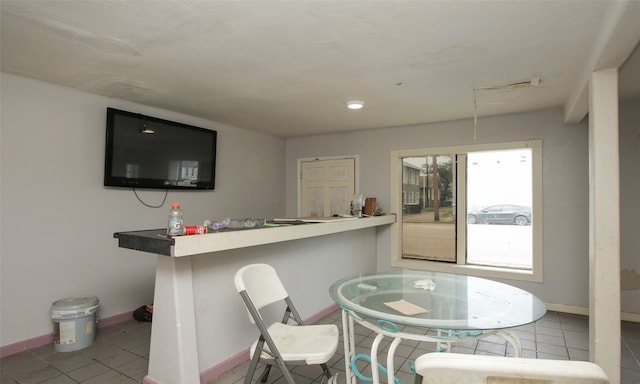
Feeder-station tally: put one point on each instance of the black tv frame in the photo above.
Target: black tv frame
(110, 180)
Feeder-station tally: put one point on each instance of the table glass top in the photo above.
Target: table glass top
(437, 300)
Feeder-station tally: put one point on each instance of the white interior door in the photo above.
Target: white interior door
(326, 187)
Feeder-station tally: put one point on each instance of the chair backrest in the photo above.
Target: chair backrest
(479, 369)
(261, 284)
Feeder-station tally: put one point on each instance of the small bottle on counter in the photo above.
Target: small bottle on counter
(195, 229)
(175, 225)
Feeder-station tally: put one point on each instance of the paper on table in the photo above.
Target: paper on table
(405, 307)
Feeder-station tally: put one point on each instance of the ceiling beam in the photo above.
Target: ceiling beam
(618, 35)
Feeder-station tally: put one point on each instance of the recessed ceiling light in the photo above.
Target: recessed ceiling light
(355, 104)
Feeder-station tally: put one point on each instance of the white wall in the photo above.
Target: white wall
(57, 220)
(630, 205)
(565, 173)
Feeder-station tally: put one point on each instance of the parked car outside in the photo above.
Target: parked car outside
(501, 214)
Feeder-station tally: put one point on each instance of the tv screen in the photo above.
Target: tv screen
(148, 152)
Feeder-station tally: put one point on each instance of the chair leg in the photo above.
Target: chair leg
(265, 374)
(252, 367)
(326, 370)
(333, 379)
(285, 371)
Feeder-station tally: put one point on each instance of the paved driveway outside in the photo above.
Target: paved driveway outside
(506, 245)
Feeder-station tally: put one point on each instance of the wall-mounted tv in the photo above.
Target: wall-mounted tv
(148, 152)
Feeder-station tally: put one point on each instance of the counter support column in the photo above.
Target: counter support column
(173, 357)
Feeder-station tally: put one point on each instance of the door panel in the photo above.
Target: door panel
(326, 187)
(315, 203)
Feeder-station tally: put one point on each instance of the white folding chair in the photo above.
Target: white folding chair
(282, 343)
(455, 368)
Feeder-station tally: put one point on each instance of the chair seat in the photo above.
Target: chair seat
(313, 344)
(456, 368)
(259, 287)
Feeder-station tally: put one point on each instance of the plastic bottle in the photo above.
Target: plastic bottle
(175, 225)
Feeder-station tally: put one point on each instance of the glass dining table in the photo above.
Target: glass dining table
(425, 306)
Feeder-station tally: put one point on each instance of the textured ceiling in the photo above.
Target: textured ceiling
(288, 67)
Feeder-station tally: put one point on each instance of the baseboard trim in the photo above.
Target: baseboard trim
(575, 310)
(113, 320)
(322, 314)
(39, 341)
(633, 317)
(624, 316)
(25, 345)
(218, 370)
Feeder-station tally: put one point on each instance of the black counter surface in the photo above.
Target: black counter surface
(150, 240)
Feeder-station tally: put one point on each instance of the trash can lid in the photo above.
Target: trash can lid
(75, 302)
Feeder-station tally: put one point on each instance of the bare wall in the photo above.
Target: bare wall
(57, 219)
(630, 205)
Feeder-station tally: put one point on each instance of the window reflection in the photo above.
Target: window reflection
(429, 217)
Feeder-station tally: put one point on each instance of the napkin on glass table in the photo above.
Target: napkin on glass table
(425, 284)
(405, 307)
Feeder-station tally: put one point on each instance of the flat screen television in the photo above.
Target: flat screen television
(148, 152)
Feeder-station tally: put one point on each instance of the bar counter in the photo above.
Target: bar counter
(191, 341)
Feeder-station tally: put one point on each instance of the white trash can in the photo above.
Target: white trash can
(74, 322)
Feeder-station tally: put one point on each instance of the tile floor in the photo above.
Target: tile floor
(120, 354)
